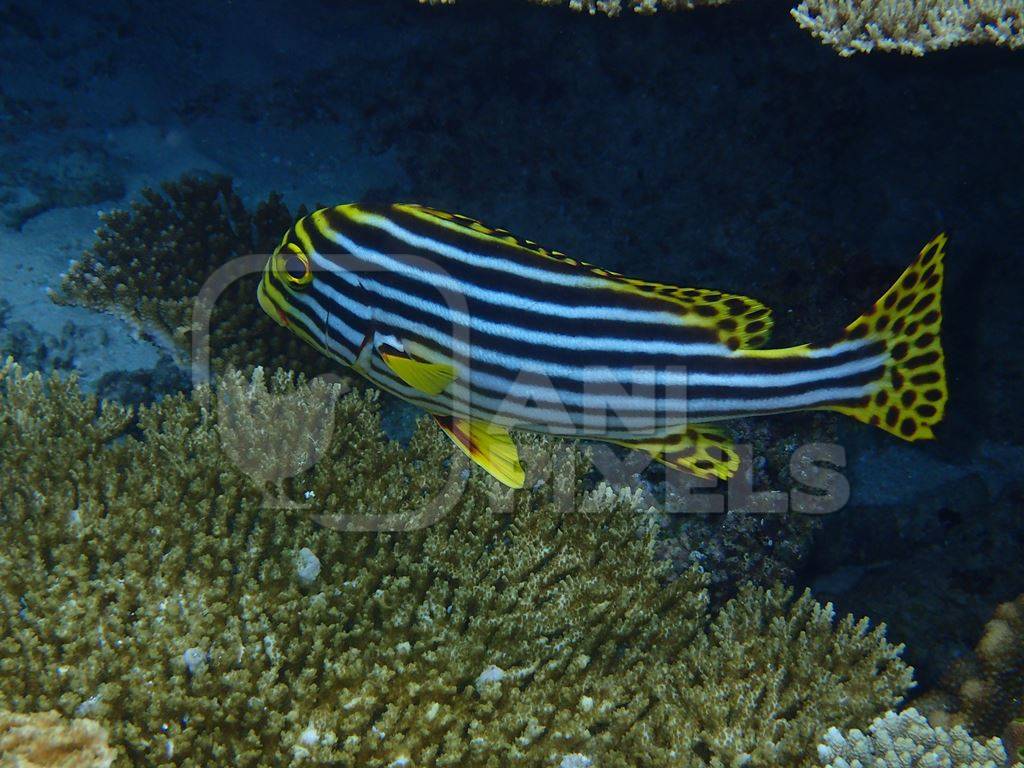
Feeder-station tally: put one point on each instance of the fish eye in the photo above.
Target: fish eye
(296, 266)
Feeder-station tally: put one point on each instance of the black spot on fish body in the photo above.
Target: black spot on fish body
(923, 304)
(735, 307)
(926, 359)
(892, 416)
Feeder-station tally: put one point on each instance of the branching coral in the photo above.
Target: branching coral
(144, 584)
(150, 263)
(911, 26)
(46, 740)
(615, 7)
(860, 26)
(906, 740)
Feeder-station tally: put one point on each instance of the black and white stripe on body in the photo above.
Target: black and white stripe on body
(545, 345)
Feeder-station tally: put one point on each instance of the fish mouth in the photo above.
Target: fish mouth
(268, 305)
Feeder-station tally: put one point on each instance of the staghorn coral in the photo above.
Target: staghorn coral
(144, 583)
(911, 26)
(149, 264)
(46, 740)
(615, 7)
(906, 740)
(860, 26)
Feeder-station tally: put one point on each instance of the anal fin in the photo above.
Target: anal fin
(489, 445)
(698, 449)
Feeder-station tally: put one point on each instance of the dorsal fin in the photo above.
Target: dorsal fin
(737, 321)
(482, 231)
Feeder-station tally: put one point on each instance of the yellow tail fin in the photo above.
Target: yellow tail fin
(911, 396)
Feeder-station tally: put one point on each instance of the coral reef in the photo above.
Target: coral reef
(149, 264)
(1013, 739)
(734, 546)
(146, 583)
(748, 529)
(851, 26)
(47, 740)
(986, 691)
(615, 7)
(911, 26)
(907, 740)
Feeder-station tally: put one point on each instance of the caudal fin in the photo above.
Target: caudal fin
(911, 396)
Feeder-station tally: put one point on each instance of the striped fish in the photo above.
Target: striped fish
(489, 332)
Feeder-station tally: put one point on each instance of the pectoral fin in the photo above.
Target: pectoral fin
(700, 450)
(429, 377)
(488, 445)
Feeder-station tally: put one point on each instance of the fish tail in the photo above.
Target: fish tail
(909, 398)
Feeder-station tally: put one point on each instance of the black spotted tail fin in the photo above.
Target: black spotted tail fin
(910, 398)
